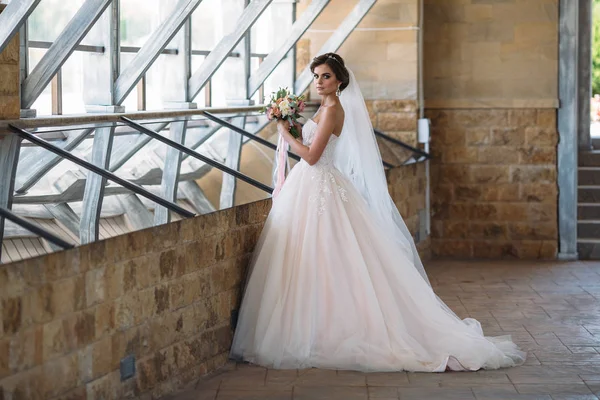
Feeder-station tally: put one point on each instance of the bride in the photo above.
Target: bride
(336, 281)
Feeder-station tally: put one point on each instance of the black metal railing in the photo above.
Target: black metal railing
(34, 228)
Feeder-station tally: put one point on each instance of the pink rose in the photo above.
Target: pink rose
(270, 113)
(301, 106)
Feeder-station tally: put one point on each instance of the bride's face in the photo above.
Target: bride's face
(325, 80)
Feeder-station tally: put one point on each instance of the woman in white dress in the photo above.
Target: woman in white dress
(336, 281)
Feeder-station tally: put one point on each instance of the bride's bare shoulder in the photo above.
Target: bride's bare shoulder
(333, 111)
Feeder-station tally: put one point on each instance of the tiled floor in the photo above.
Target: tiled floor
(552, 310)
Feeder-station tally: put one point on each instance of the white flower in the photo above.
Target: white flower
(284, 106)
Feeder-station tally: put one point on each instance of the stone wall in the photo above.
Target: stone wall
(163, 295)
(494, 191)
(496, 53)
(491, 79)
(9, 79)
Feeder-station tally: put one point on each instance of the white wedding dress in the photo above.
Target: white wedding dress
(329, 289)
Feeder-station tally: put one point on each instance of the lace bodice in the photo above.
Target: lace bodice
(308, 135)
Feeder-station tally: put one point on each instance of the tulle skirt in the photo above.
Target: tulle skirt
(328, 289)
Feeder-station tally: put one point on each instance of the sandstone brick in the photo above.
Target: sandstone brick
(451, 248)
(488, 230)
(61, 375)
(107, 387)
(467, 192)
(10, 55)
(10, 107)
(26, 385)
(407, 106)
(489, 174)
(147, 270)
(497, 155)
(482, 211)
(4, 357)
(176, 295)
(24, 350)
(9, 84)
(397, 121)
(512, 212)
(541, 137)
(533, 174)
(542, 211)
(539, 192)
(523, 117)
(493, 249)
(95, 286)
(546, 119)
(537, 155)
(478, 136)
(460, 155)
(102, 357)
(499, 192)
(455, 174)
(528, 230)
(456, 230)
(508, 136)
(105, 319)
(11, 314)
(480, 117)
(460, 211)
(448, 135)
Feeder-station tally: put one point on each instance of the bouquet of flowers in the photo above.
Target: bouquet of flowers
(285, 106)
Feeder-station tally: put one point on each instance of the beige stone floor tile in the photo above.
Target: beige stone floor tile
(436, 393)
(267, 394)
(551, 310)
(330, 393)
(554, 388)
(379, 392)
(387, 379)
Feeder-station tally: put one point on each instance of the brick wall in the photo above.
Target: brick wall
(494, 191)
(163, 294)
(491, 92)
(9, 79)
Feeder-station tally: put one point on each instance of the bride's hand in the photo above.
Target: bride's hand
(284, 125)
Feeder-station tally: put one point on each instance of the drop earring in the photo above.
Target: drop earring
(338, 92)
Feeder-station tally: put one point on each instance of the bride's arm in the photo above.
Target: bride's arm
(312, 153)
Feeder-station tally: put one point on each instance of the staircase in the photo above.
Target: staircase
(588, 204)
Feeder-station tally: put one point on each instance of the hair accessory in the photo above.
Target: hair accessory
(333, 58)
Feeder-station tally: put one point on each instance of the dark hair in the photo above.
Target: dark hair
(337, 65)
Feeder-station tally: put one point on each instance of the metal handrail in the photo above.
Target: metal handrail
(402, 144)
(101, 171)
(192, 153)
(244, 132)
(34, 228)
(82, 119)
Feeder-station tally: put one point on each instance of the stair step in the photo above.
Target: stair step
(588, 229)
(596, 142)
(588, 194)
(590, 158)
(588, 176)
(588, 249)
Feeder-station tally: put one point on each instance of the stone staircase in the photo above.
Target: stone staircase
(588, 204)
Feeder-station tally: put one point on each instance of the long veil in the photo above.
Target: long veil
(358, 158)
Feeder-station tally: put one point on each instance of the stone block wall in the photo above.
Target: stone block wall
(9, 79)
(163, 295)
(494, 191)
(491, 53)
